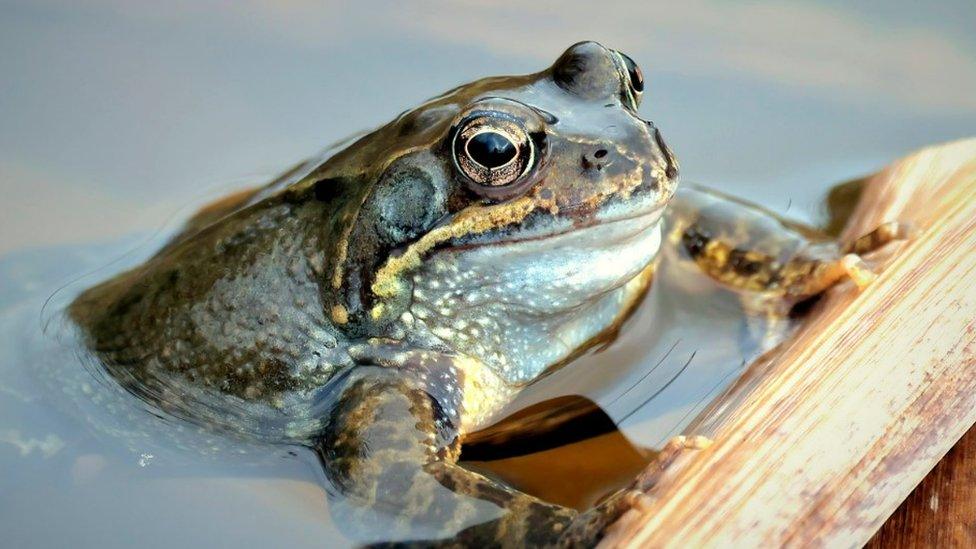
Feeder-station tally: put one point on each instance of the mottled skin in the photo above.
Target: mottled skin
(380, 305)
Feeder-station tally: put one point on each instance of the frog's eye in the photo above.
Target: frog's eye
(635, 78)
(493, 151)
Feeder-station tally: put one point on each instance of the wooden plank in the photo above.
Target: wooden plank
(941, 511)
(846, 418)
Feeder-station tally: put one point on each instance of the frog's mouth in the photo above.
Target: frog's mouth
(555, 265)
(520, 231)
(540, 226)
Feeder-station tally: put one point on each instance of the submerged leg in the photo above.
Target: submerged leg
(390, 449)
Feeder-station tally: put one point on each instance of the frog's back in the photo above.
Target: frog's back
(226, 323)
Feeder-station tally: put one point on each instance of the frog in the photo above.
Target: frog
(381, 303)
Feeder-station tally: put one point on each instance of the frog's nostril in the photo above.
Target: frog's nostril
(597, 160)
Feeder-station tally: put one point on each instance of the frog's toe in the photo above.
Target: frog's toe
(697, 442)
(882, 235)
(635, 499)
(682, 442)
(857, 270)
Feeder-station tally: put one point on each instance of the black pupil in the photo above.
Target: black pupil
(636, 77)
(491, 149)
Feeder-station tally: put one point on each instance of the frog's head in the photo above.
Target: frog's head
(542, 191)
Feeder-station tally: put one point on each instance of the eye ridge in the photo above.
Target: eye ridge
(634, 80)
(634, 73)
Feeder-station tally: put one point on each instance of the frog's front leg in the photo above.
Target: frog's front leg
(754, 251)
(390, 448)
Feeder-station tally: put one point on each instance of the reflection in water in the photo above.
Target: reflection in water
(576, 475)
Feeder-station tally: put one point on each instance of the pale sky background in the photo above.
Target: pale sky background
(117, 115)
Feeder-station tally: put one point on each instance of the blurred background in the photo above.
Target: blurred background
(116, 116)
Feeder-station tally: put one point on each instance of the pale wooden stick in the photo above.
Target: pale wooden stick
(851, 414)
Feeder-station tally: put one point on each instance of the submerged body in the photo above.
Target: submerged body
(398, 295)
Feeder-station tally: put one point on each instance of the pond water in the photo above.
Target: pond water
(119, 119)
